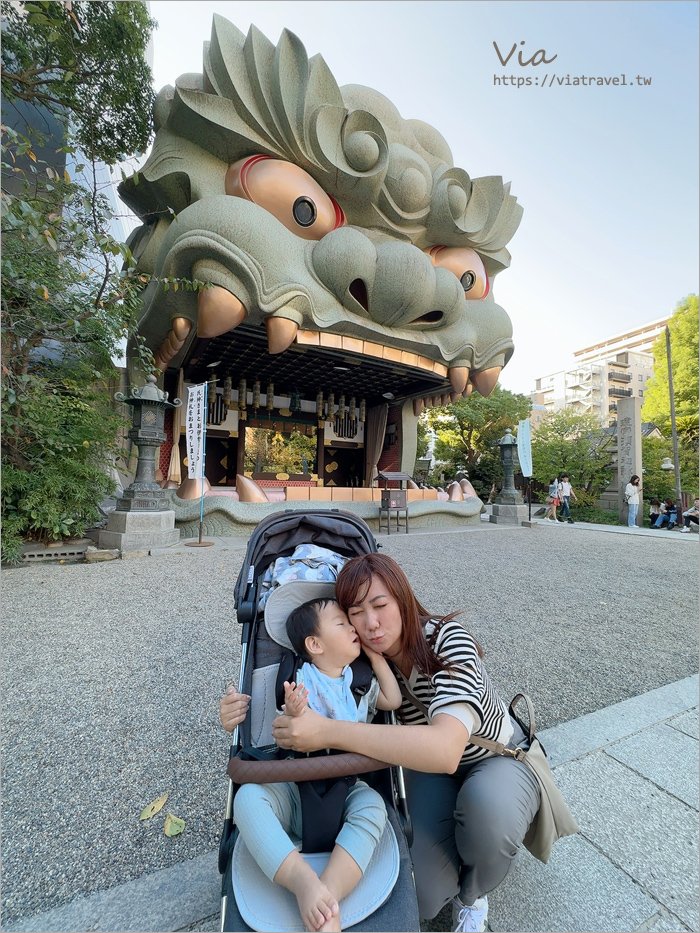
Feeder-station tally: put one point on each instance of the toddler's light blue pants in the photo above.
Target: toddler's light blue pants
(268, 814)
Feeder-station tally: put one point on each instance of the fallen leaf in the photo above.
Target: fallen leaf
(173, 825)
(154, 807)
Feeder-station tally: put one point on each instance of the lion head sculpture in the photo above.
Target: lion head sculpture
(319, 212)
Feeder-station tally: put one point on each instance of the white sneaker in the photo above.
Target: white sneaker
(684, 531)
(470, 919)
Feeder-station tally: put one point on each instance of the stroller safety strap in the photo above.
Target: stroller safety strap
(301, 769)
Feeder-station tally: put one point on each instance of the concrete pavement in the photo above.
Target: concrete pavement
(628, 767)
(630, 776)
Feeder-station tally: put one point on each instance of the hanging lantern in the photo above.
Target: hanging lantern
(270, 396)
(256, 394)
(319, 404)
(242, 394)
(331, 406)
(228, 385)
(352, 407)
(341, 407)
(363, 410)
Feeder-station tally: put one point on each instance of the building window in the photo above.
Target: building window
(641, 392)
(640, 377)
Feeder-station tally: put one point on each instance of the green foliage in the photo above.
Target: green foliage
(85, 60)
(587, 512)
(278, 453)
(660, 484)
(568, 442)
(423, 440)
(467, 433)
(69, 292)
(683, 327)
(56, 440)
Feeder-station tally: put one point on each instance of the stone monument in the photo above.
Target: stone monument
(629, 452)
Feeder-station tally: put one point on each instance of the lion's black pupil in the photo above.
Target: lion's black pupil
(468, 280)
(304, 211)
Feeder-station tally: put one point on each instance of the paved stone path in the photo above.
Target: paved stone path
(110, 681)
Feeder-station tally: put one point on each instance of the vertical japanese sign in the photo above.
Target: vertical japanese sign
(195, 428)
(524, 447)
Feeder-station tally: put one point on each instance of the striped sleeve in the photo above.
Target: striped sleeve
(465, 684)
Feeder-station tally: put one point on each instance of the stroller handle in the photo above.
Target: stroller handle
(301, 769)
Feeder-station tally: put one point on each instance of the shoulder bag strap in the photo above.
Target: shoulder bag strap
(497, 747)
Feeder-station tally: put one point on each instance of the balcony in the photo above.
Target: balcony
(616, 376)
(612, 406)
(617, 392)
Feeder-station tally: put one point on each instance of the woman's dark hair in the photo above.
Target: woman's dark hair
(355, 579)
(634, 477)
(303, 622)
(552, 480)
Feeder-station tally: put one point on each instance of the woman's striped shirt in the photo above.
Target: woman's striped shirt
(449, 691)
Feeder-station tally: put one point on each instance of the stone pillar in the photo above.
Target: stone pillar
(629, 451)
(408, 439)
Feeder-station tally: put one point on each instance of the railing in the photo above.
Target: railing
(619, 377)
(616, 392)
(612, 407)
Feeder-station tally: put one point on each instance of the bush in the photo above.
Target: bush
(55, 502)
(593, 514)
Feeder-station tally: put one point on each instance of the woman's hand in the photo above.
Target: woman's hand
(371, 653)
(302, 733)
(233, 709)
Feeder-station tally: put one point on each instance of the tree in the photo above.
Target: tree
(660, 484)
(573, 443)
(683, 328)
(277, 452)
(468, 430)
(84, 60)
(423, 440)
(69, 295)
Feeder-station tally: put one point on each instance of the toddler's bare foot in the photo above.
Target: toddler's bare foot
(317, 905)
(331, 926)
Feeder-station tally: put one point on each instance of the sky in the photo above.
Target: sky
(607, 174)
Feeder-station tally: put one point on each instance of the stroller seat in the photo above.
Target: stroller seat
(269, 908)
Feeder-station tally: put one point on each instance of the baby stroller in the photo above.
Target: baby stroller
(244, 887)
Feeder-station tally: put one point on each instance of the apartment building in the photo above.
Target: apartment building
(612, 369)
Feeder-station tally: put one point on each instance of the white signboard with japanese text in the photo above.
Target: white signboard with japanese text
(194, 430)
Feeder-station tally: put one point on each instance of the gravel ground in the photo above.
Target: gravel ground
(111, 675)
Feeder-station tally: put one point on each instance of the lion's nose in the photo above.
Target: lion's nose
(393, 283)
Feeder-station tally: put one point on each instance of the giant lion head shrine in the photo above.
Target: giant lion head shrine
(324, 266)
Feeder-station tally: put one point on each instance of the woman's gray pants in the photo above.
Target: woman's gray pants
(467, 827)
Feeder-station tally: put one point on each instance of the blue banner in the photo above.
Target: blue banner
(524, 448)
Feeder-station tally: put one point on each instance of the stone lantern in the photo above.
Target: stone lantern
(143, 519)
(508, 507)
(148, 406)
(508, 495)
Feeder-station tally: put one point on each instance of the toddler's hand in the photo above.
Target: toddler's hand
(296, 698)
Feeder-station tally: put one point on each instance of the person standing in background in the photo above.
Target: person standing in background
(565, 494)
(552, 500)
(632, 493)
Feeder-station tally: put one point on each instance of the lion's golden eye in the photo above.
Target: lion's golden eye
(466, 265)
(287, 192)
